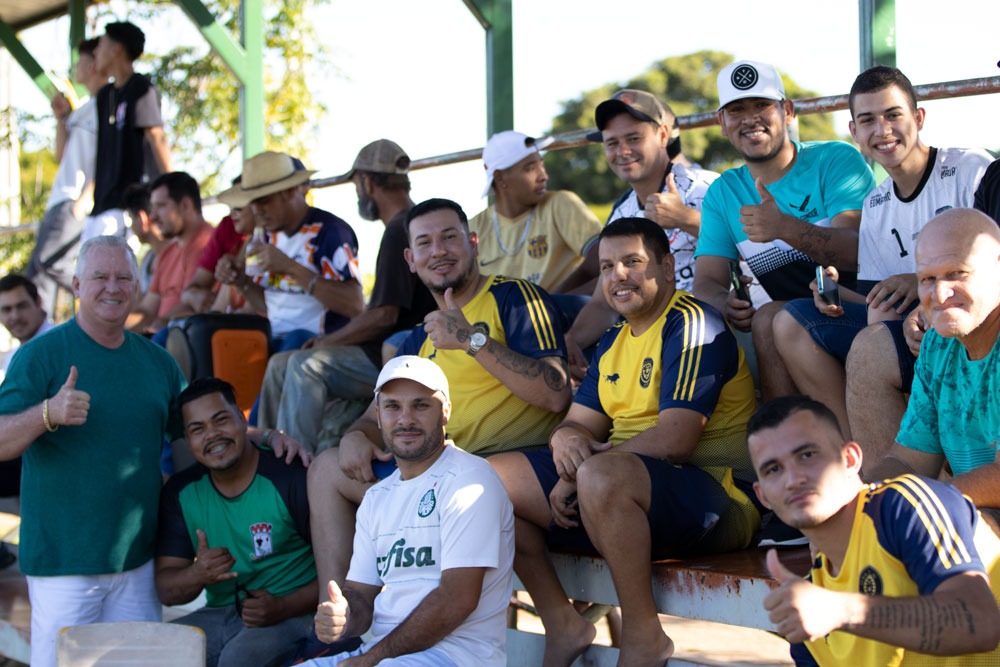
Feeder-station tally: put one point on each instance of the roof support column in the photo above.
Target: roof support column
(497, 19)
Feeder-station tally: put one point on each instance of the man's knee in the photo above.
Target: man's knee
(610, 478)
(787, 331)
(277, 367)
(873, 359)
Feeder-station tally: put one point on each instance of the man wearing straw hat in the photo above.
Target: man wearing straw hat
(306, 271)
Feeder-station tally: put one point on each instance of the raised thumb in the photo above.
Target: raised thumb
(334, 590)
(765, 194)
(777, 570)
(449, 302)
(671, 184)
(70, 382)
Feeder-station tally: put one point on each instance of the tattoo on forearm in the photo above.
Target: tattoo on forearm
(933, 619)
(816, 243)
(530, 368)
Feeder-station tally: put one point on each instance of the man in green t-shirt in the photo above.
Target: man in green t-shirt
(236, 525)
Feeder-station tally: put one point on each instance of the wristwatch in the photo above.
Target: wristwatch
(476, 341)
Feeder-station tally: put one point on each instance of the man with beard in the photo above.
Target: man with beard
(903, 567)
(953, 416)
(499, 343)
(430, 579)
(175, 208)
(342, 366)
(236, 526)
(790, 207)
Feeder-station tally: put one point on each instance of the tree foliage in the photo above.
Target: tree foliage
(688, 84)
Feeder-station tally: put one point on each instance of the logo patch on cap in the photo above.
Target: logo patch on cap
(744, 77)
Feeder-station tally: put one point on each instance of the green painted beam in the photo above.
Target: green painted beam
(77, 32)
(27, 62)
(497, 19)
(232, 54)
(245, 59)
(877, 32)
(252, 92)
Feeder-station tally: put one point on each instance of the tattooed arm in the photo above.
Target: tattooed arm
(836, 245)
(543, 382)
(959, 617)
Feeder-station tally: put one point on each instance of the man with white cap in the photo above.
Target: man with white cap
(344, 364)
(790, 207)
(307, 277)
(530, 232)
(637, 129)
(431, 573)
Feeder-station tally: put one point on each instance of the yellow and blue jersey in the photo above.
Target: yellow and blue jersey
(688, 358)
(486, 416)
(909, 535)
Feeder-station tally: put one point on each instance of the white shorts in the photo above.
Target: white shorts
(63, 601)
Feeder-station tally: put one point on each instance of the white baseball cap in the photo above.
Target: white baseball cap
(748, 78)
(507, 148)
(418, 369)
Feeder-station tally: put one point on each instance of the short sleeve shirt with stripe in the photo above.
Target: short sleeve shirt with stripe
(909, 535)
(688, 358)
(827, 179)
(486, 415)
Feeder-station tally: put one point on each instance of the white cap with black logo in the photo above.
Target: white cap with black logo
(747, 78)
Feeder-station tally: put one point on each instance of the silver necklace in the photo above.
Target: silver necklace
(524, 236)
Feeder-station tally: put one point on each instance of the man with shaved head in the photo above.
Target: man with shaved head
(953, 415)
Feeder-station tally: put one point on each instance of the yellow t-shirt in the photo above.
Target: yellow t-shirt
(486, 416)
(543, 245)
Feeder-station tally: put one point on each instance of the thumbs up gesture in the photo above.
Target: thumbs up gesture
(331, 616)
(763, 222)
(447, 328)
(800, 610)
(70, 405)
(667, 209)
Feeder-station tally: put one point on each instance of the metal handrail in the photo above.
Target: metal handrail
(564, 140)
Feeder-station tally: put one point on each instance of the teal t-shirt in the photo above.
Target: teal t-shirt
(265, 528)
(89, 493)
(827, 178)
(954, 406)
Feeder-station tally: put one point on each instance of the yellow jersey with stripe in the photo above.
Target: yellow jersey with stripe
(909, 535)
(688, 358)
(486, 416)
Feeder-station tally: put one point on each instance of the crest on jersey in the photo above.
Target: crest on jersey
(261, 534)
(647, 372)
(427, 504)
(870, 581)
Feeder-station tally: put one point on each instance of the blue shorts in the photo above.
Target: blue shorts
(903, 354)
(834, 335)
(686, 504)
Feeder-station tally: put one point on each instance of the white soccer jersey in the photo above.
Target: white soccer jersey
(889, 224)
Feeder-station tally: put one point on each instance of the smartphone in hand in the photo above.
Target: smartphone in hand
(735, 274)
(827, 287)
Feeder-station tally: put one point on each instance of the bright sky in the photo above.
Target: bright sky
(414, 72)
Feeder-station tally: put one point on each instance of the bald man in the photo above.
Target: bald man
(954, 411)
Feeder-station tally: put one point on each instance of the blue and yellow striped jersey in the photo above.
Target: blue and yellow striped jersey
(688, 359)
(909, 535)
(486, 416)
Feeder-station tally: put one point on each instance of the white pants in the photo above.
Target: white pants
(60, 602)
(432, 657)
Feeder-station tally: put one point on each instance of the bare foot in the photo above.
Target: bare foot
(568, 640)
(652, 653)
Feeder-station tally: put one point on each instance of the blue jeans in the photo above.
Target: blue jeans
(298, 385)
(229, 643)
